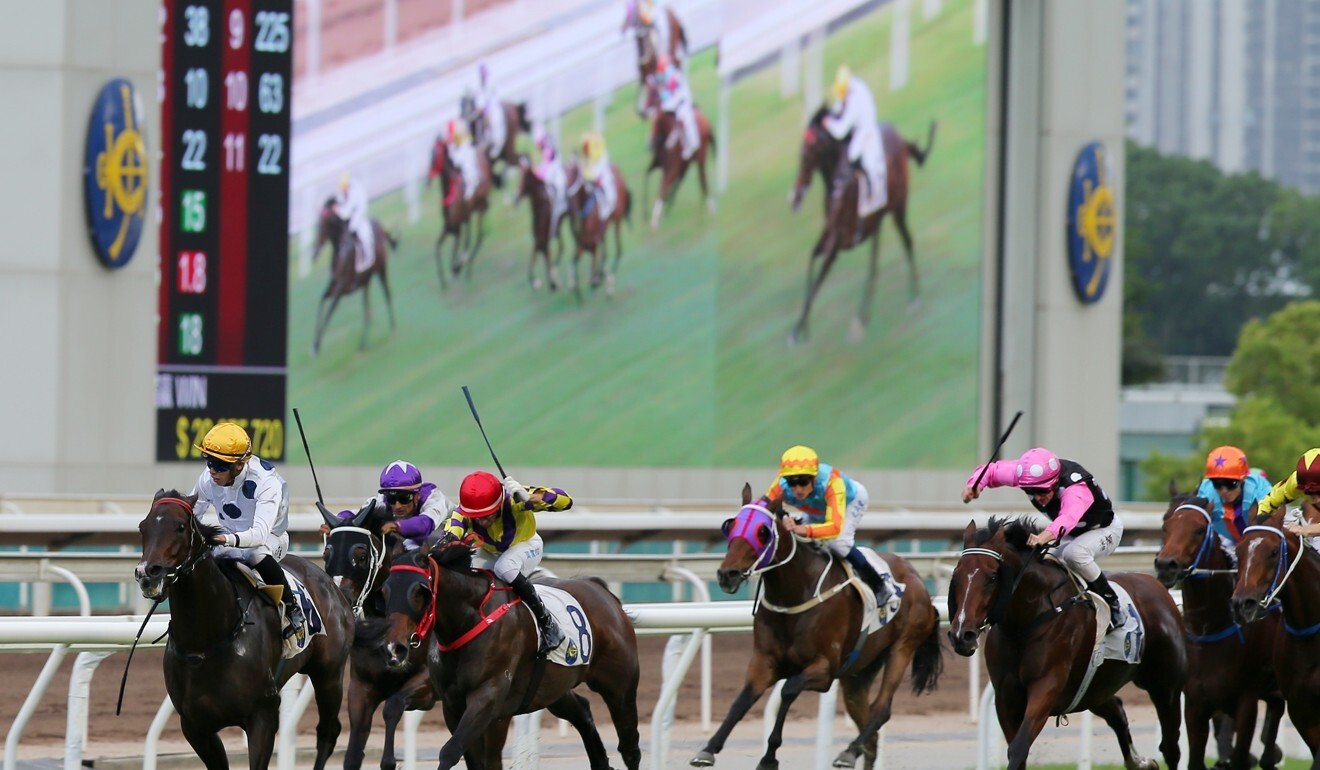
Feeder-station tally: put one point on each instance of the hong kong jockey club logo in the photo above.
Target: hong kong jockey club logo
(1092, 222)
(115, 173)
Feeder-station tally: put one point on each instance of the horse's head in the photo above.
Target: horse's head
(409, 597)
(753, 536)
(1188, 538)
(527, 179)
(439, 159)
(1264, 556)
(328, 227)
(355, 553)
(984, 578)
(818, 153)
(172, 543)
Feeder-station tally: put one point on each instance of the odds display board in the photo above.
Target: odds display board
(224, 89)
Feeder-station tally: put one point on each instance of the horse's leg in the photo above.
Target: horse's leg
(478, 714)
(1041, 697)
(1168, 708)
(362, 703)
(900, 221)
(334, 303)
(622, 703)
(816, 677)
(868, 292)
(800, 328)
(1197, 716)
(440, 256)
(474, 757)
(260, 728)
(1112, 712)
(857, 702)
(896, 665)
(392, 713)
(1244, 729)
(389, 301)
(760, 675)
(207, 744)
(1272, 756)
(577, 711)
(700, 158)
(366, 315)
(328, 685)
(455, 265)
(661, 197)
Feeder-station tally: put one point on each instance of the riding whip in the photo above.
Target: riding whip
(468, 394)
(984, 468)
(298, 419)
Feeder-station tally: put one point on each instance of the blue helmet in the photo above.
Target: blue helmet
(400, 474)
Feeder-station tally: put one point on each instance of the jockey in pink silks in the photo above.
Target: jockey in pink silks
(1083, 521)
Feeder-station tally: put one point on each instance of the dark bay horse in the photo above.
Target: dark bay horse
(646, 54)
(223, 660)
(1230, 666)
(1274, 564)
(811, 646)
(667, 158)
(822, 154)
(505, 156)
(457, 212)
(344, 276)
(591, 232)
(1040, 638)
(533, 188)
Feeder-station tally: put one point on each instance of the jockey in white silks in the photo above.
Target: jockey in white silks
(676, 99)
(854, 112)
(351, 206)
(489, 105)
(597, 171)
(463, 155)
(551, 172)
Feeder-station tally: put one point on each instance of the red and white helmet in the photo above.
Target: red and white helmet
(1038, 467)
(480, 495)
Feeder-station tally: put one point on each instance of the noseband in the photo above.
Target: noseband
(194, 535)
(1211, 536)
(1276, 583)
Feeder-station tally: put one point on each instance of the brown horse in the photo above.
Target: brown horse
(457, 211)
(810, 637)
(481, 651)
(591, 232)
(822, 154)
(667, 157)
(534, 189)
(344, 276)
(223, 664)
(515, 122)
(645, 36)
(1231, 667)
(1276, 564)
(1041, 634)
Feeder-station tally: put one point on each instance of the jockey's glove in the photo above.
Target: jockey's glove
(516, 491)
(225, 538)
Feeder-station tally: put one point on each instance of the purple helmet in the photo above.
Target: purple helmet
(400, 474)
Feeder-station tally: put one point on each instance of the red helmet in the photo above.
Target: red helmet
(661, 63)
(1308, 472)
(480, 495)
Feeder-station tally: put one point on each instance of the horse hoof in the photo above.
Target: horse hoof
(856, 331)
(795, 337)
(536, 284)
(846, 758)
(1141, 763)
(1271, 758)
(771, 764)
(703, 759)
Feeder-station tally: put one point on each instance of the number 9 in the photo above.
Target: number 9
(236, 28)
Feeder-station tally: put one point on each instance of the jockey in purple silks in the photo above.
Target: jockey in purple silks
(417, 506)
(1082, 517)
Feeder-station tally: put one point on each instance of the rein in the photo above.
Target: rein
(1000, 610)
(1211, 537)
(767, 555)
(427, 622)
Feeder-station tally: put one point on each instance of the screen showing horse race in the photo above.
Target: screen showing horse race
(684, 233)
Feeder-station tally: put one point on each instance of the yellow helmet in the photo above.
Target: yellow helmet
(799, 461)
(593, 146)
(226, 441)
(343, 187)
(841, 83)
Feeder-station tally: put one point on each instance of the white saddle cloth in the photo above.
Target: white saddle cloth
(874, 617)
(577, 647)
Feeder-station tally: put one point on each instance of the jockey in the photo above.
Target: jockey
(417, 507)
(1083, 518)
(676, 99)
(251, 503)
(833, 504)
(500, 515)
(464, 157)
(491, 108)
(1301, 483)
(854, 113)
(551, 172)
(1232, 489)
(597, 170)
(351, 206)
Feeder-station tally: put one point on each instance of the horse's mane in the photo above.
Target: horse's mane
(1016, 531)
(453, 554)
(818, 117)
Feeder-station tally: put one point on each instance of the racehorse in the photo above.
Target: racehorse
(1230, 666)
(482, 653)
(223, 664)
(808, 631)
(822, 154)
(1041, 635)
(344, 276)
(456, 211)
(515, 122)
(1276, 564)
(590, 232)
(534, 189)
(667, 156)
(645, 35)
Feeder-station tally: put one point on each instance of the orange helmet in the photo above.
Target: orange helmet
(1308, 472)
(1226, 462)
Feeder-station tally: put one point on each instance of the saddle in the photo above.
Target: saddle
(241, 575)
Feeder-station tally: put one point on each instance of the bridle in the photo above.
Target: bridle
(767, 552)
(194, 536)
(374, 562)
(1280, 574)
(1207, 542)
(1002, 600)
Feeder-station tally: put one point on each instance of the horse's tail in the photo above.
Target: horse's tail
(928, 662)
(523, 123)
(919, 154)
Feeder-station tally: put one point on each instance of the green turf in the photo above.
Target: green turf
(687, 364)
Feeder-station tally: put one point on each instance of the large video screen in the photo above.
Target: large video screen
(688, 348)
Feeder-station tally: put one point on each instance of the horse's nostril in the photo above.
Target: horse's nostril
(154, 570)
(967, 637)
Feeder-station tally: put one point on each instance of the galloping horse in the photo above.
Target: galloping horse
(456, 211)
(482, 656)
(344, 276)
(667, 157)
(823, 154)
(1276, 564)
(223, 663)
(808, 631)
(515, 122)
(1230, 666)
(533, 188)
(646, 53)
(1040, 639)
(591, 232)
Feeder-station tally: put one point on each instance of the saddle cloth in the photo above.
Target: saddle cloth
(1127, 642)
(874, 191)
(572, 619)
(874, 617)
(314, 626)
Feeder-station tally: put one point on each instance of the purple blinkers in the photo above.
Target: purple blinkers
(755, 526)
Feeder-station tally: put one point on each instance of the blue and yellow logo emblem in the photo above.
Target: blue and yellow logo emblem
(571, 653)
(1092, 222)
(115, 173)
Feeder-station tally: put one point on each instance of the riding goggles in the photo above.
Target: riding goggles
(218, 465)
(1228, 484)
(394, 498)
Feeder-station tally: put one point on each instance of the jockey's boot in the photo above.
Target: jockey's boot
(1101, 586)
(874, 579)
(551, 636)
(270, 571)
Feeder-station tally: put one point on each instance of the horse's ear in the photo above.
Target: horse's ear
(969, 533)
(1173, 488)
(746, 493)
(192, 500)
(159, 494)
(724, 528)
